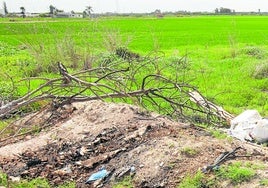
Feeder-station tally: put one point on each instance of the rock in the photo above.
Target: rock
(64, 171)
(14, 179)
(83, 150)
(120, 173)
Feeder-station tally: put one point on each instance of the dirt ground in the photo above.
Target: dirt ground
(96, 134)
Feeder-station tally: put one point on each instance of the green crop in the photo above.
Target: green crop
(226, 55)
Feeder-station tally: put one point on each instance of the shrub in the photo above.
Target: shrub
(261, 71)
(254, 52)
(7, 92)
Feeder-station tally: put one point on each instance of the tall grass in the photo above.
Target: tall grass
(222, 65)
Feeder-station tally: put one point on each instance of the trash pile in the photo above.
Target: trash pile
(250, 126)
(99, 144)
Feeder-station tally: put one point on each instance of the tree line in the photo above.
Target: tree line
(52, 10)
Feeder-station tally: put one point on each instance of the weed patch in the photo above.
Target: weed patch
(125, 183)
(218, 134)
(34, 183)
(196, 181)
(254, 51)
(261, 71)
(236, 173)
(189, 152)
(264, 182)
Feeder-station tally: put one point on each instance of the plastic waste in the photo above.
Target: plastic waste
(243, 124)
(250, 126)
(102, 173)
(260, 131)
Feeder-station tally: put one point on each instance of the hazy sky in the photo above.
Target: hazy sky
(101, 6)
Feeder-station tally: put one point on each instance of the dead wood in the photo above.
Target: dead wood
(168, 96)
(200, 100)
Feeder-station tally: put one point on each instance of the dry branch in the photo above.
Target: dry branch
(196, 97)
(152, 91)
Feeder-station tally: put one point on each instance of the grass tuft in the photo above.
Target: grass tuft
(236, 173)
(261, 71)
(264, 182)
(125, 183)
(218, 134)
(195, 181)
(189, 152)
(254, 51)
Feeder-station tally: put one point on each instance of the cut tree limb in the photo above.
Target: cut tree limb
(197, 98)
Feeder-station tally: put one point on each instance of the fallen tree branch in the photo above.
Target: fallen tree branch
(156, 92)
(200, 100)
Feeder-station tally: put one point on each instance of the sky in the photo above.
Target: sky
(136, 6)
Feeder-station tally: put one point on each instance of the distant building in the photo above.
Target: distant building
(76, 15)
(68, 15)
(2, 12)
(28, 14)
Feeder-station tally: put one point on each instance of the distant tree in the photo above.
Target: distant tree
(158, 13)
(52, 10)
(57, 10)
(23, 12)
(225, 10)
(87, 12)
(217, 11)
(5, 8)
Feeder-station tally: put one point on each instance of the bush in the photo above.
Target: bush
(254, 52)
(261, 71)
(7, 92)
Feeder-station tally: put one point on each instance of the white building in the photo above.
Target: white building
(2, 11)
(68, 15)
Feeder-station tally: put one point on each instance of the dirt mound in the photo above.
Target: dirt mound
(117, 136)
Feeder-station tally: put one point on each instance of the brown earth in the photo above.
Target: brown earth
(118, 136)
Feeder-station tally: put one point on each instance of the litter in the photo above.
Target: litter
(250, 126)
(130, 170)
(222, 158)
(101, 174)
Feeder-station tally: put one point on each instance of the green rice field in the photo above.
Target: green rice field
(227, 55)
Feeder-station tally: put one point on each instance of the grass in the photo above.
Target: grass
(37, 182)
(226, 60)
(189, 152)
(125, 183)
(195, 181)
(218, 134)
(264, 182)
(236, 173)
(223, 51)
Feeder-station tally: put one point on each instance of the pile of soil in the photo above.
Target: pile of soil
(117, 137)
